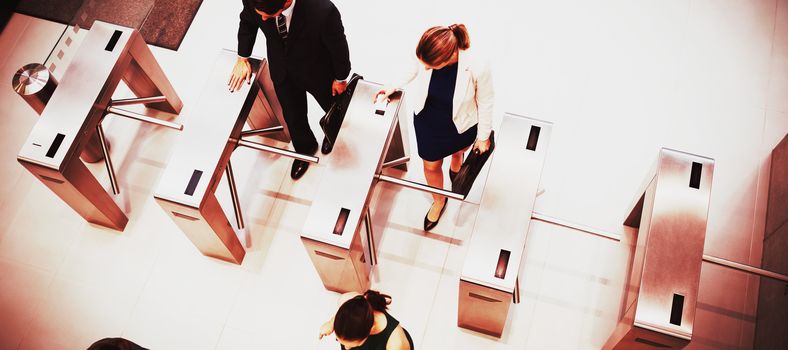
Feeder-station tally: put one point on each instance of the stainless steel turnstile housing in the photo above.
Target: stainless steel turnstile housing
(489, 279)
(71, 121)
(187, 187)
(662, 291)
(337, 232)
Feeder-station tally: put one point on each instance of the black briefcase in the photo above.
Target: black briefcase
(470, 169)
(332, 121)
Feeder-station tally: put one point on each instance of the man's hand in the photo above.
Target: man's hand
(481, 145)
(241, 71)
(338, 87)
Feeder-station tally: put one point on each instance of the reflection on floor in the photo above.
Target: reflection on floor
(617, 80)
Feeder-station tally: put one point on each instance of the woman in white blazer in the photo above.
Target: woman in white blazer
(452, 92)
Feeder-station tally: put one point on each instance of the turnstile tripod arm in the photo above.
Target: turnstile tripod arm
(137, 100)
(420, 187)
(144, 118)
(107, 160)
(277, 150)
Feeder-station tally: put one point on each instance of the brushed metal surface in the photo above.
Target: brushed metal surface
(366, 140)
(502, 222)
(208, 228)
(137, 100)
(239, 218)
(341, 270)
(420, 187)
(35, 84)
(352, 166)
(93, 149)
(777, 201)
(266, 112)
(67, 128)
(575, 226)
(262, 131)
(113, 181)
(144, 118)
(144, 76)
(81, 98)
(278, 151)
(507, 202)
(76, 186)
(205, 146)
(745, 268)
(668, 254)
(206, 142)
(481, 308)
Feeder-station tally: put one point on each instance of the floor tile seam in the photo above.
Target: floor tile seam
(219, 338)
(532, 309)
(439, 283)
(236, 299)
(432, 303)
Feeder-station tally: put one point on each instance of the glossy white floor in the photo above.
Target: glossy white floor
(618, 79)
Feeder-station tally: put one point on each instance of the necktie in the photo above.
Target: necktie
(281, 26)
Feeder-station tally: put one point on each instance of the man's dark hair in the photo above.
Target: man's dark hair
(268, 6)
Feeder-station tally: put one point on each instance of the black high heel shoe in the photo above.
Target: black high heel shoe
(429, 225)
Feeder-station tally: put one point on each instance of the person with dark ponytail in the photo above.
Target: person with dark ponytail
(361, 322)
(453, 94)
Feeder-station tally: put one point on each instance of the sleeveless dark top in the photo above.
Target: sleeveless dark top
(379, 341)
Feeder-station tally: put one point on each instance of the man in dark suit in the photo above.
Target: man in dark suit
(307, 52)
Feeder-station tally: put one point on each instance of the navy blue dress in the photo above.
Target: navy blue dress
(436, 134)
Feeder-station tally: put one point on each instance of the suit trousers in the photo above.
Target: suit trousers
(292, 97)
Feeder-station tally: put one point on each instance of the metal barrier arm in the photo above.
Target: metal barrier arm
(279, 151)
(421, 187)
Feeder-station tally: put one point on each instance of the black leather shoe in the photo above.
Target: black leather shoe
(429, 225)
(299, 168)
(326, 147)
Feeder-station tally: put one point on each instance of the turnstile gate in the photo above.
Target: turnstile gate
(671, 212)
(187, 187)
(489, 278)
(70, 124)
(338, 232)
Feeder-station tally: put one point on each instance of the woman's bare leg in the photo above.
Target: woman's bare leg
(434, 173)
(456, 160)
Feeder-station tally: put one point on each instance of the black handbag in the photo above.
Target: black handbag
(332, 121)
(470, 169)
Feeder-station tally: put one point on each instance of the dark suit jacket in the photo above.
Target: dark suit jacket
(316, 50)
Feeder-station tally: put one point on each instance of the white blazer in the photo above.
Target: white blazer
(473, 92)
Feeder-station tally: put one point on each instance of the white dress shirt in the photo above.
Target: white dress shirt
(288, 12)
